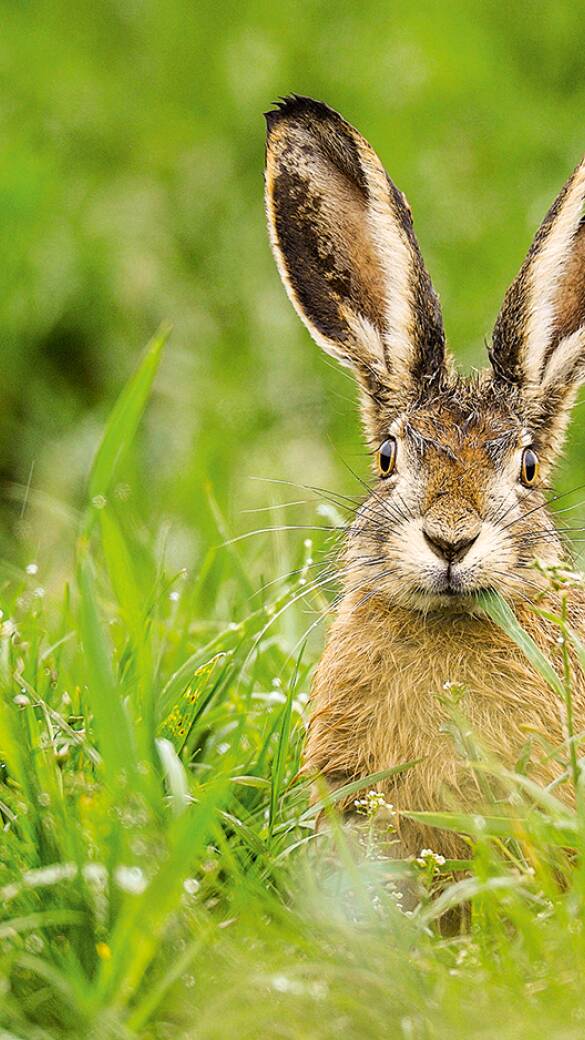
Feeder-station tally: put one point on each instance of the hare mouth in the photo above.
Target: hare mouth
(449, 586)
(449, 598)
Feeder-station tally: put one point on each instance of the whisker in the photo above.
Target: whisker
(283, 527)
(543, 505)
(340, 501)
(278, 505)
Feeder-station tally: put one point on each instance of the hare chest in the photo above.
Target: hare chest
(382, 696)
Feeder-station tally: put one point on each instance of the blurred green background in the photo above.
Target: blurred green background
(132, 140)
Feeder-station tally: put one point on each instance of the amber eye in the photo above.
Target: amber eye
(387, 457)
(530, 466)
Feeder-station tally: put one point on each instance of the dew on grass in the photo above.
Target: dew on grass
(34, 943)
(130, 879)
(95, 874)
(51, 875)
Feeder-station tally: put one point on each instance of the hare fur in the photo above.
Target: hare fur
(459, 501)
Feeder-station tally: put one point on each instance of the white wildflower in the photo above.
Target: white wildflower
(372, 803)
(427, 856)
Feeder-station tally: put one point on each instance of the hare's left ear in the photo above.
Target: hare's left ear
(345, 247)
(538, 343)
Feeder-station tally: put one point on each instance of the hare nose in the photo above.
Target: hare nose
(451, 549)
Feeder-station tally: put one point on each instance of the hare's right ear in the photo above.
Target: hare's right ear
(538, 344)
(345, 247)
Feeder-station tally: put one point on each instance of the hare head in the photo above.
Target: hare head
(458, 504)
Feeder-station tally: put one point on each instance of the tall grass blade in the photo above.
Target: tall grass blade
(502, 614)
(123, 423)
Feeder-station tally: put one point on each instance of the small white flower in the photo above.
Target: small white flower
(32, 568)
(191, 886)
(371, 803)
(99, 502)
(427, 856)
(174, 596)
(39, 592)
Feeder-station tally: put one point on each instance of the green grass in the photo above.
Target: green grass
(160, 873)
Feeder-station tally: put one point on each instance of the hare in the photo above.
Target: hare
(458, 505)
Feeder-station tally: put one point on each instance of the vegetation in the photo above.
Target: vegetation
(158, 875)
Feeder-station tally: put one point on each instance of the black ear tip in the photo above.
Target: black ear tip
(298, 105)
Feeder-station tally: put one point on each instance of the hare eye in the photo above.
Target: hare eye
(530, 467)
(387, 457)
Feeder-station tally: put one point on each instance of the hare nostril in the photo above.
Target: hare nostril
(450, 549)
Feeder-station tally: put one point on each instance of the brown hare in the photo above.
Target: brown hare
(458, 505)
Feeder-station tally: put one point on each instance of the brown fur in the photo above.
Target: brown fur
(454, 517)
(572, 312)
(376, 704)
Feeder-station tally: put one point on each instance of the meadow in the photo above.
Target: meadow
(169, 514)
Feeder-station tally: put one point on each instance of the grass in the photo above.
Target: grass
(158, 866)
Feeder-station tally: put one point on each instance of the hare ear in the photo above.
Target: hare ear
(345, 247)
(538, 342)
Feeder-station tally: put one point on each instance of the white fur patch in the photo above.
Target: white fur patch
(395, 257)
(561, 365)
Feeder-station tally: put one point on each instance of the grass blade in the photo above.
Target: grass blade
(502, 614)
(123, 423)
